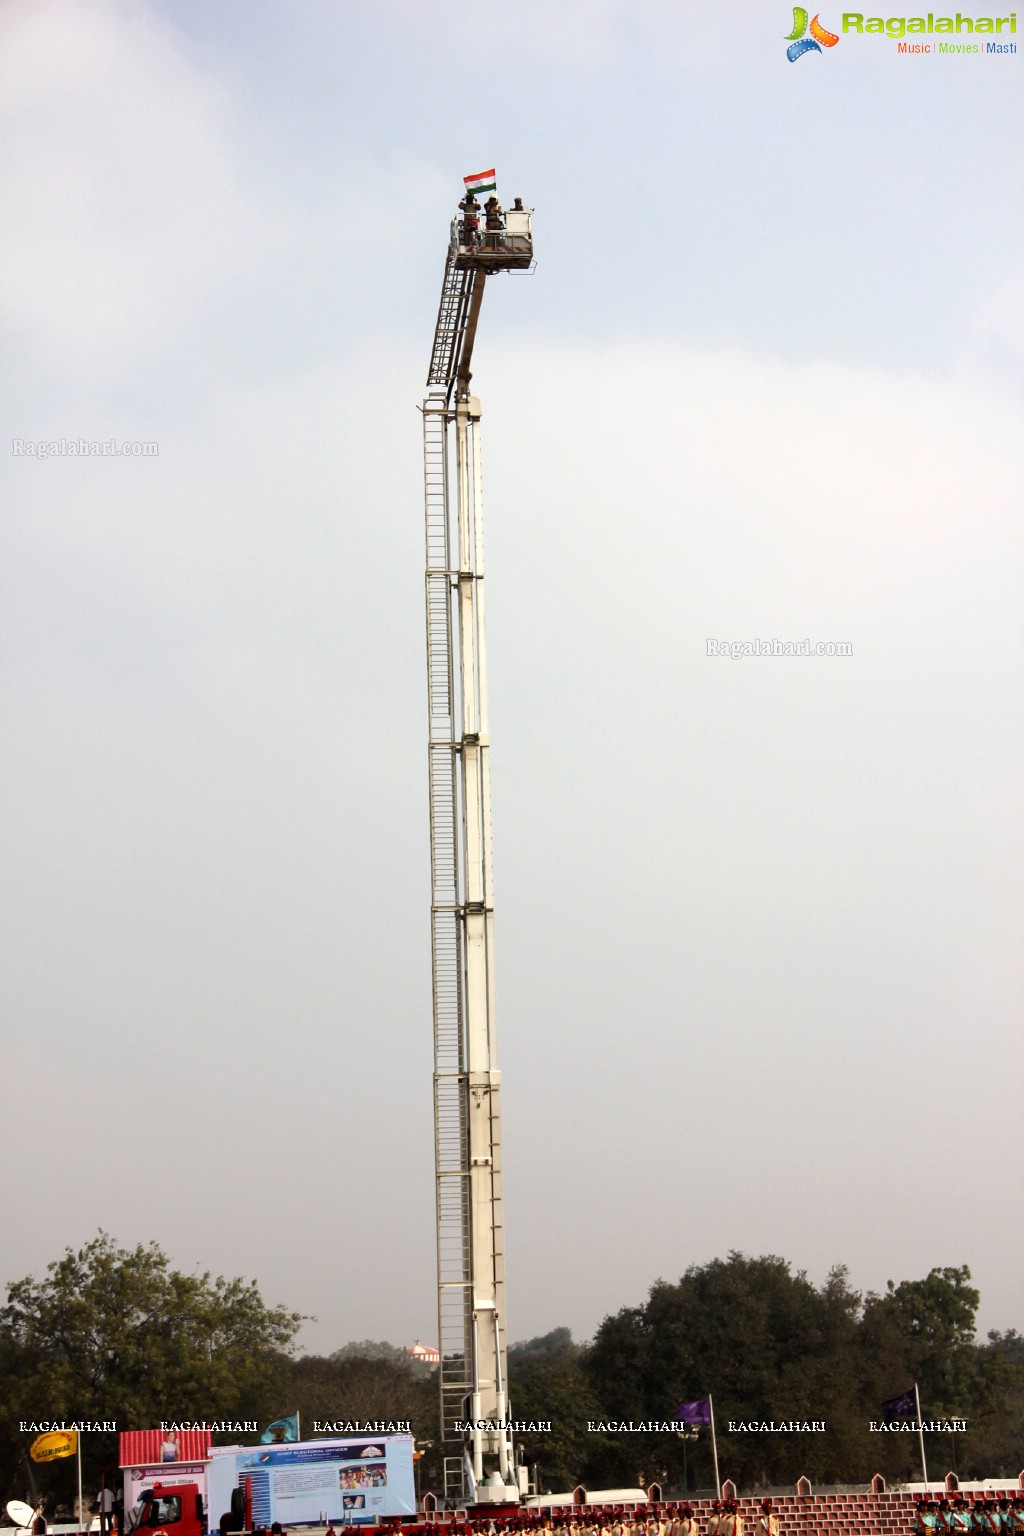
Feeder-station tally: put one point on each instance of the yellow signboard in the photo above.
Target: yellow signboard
(60, 1442)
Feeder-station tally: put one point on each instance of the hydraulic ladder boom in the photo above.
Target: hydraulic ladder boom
(467, 1109)
(461, 296)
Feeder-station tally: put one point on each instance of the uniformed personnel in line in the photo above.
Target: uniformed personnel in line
(959, 1517)
(768, 1520)
(731, 1523)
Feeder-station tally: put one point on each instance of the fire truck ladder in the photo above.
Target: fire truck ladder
(467, 1114)
(456, 292)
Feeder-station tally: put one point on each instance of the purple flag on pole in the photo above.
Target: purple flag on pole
(698, 1412)
(901, 1407)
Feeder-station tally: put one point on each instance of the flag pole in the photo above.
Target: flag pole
(920, 1436)
(714, 1447)
(78, 1454)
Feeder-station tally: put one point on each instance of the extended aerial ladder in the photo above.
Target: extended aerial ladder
(479, 1460)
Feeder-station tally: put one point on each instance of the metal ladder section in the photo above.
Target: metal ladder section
(455, 1480)
(451, 1093)
(456, 291)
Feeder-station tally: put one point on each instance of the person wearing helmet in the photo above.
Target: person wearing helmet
(470, 225)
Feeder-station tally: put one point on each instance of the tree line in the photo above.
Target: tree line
(768, 1345)
(117, 1334)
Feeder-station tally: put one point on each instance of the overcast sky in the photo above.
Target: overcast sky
(759, 920)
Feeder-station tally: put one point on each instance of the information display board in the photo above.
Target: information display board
(348, 1480)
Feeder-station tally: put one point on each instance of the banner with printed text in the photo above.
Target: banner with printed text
(352, 1481)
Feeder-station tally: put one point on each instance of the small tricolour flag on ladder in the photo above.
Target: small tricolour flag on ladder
(483, 181)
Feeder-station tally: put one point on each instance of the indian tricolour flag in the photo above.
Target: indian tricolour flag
(483, 181)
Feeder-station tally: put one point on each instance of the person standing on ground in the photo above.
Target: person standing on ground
(105, 1509)
(731, 1523)
(959, 1517)
(768, 1520)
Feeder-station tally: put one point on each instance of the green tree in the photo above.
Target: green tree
(547, 1381)
(937, 1316)
(767, 1344)
(371, 1349)
(994, 1444)
(363, 1387)
(763, 1341)
(117, 1334)
(920, 1331)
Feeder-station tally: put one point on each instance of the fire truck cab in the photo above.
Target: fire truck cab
(174, 1509)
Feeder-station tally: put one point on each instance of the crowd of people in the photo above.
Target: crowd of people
(936, 1516)
(722, 1519)
(362, 1477)
(990, 1515)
